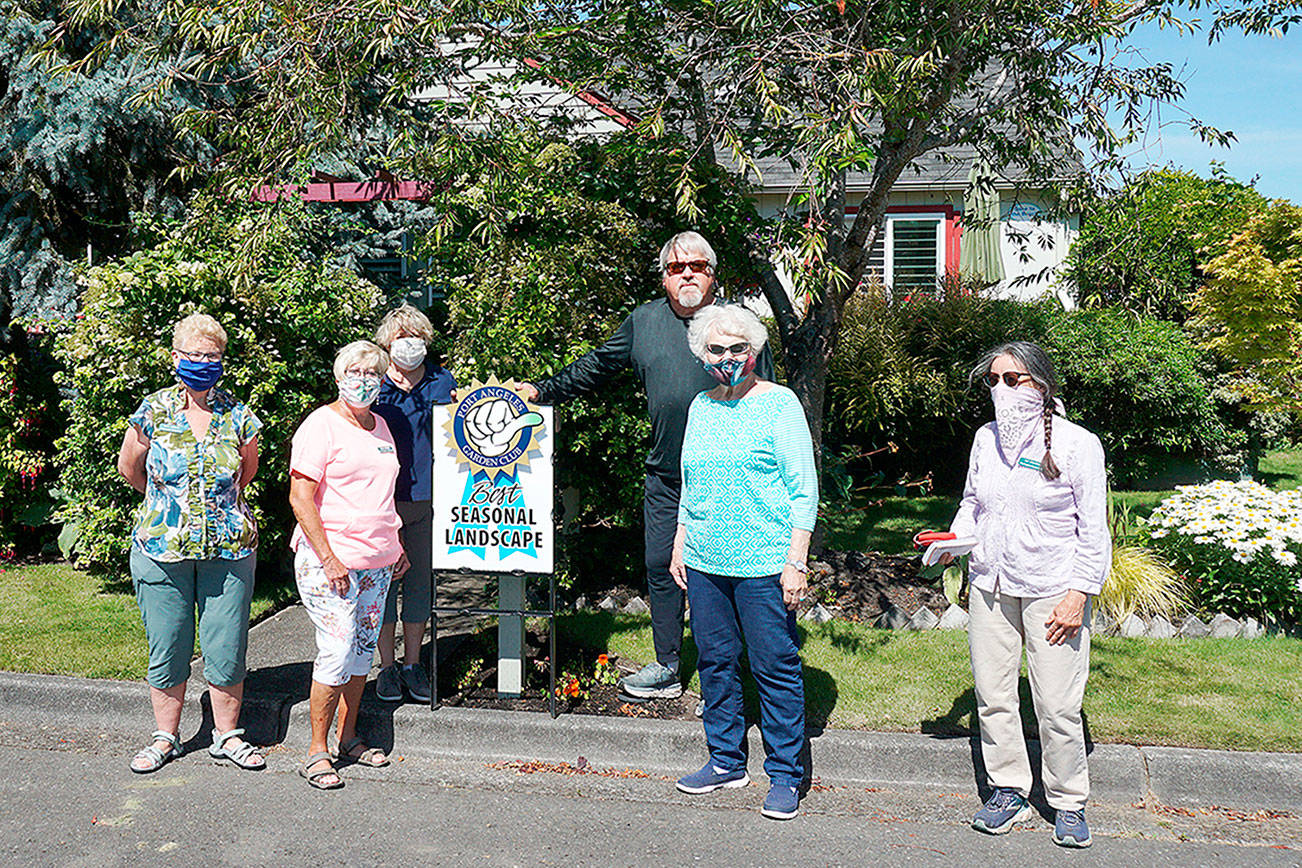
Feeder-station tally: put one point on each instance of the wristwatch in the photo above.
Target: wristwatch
(803, 568)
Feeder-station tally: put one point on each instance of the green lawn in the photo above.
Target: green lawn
(59, 620)
(1217, 693)
(1281, 470)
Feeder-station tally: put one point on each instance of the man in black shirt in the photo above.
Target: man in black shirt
(653, 341)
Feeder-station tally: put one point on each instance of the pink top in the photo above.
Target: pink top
(356, 470)
(1037, 537)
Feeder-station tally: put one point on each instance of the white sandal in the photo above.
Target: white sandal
(241, 756)
(157, 758)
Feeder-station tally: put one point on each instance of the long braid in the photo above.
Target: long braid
(1049, 467)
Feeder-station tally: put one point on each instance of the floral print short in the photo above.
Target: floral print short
(346, 627)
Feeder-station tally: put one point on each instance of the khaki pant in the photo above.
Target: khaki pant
(1000, 625)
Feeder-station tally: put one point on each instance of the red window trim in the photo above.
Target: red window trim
(953, 230)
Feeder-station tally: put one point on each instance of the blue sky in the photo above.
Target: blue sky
(1250, 85)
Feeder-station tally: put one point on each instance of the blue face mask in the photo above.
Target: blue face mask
(730, 371)
(200, 376)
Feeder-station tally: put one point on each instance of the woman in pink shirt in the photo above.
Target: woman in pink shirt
(1036, 503)
(343, 468)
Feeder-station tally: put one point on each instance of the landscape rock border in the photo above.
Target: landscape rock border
(1221, 625)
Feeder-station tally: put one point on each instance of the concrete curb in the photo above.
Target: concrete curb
(1119, 773)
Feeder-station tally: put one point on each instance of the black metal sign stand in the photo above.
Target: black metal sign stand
(548, 613)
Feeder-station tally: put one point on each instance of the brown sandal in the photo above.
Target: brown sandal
(314, 778)
(368, 756)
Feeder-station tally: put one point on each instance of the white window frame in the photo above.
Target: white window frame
(888, 259)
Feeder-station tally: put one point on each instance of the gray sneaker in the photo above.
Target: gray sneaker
(388, 684)
(654, 681)
(416, 682)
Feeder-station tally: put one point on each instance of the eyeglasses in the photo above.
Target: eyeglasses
(700, 266)
(740, 349)
(1011, 379)
(200, 357)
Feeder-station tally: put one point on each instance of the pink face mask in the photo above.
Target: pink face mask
(1017, 408)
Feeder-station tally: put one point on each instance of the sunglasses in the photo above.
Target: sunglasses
(700, 266)
(1010, 378)
(740, 349)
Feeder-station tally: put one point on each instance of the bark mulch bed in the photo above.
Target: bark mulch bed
(859, 586)
(469, 679)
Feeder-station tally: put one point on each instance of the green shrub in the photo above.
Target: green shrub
(1143, 248)
(900, 376)
(285, 310)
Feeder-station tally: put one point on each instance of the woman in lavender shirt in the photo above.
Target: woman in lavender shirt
(1036, 503)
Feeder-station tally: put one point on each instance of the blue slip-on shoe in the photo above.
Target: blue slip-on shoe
(708, 779)
(1069, 830)
(1003, 809)
(653, 681)
(782, 802)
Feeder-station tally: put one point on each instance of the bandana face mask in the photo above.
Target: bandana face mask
(1017, 408)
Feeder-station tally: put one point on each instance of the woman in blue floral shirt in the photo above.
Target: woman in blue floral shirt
(191, 449)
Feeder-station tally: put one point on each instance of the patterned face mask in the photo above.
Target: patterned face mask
(359, 390)
(731, 371)
(1017, 408)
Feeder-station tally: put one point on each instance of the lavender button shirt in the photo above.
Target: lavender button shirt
(1036, 537)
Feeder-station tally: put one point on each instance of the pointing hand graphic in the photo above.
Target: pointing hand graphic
(491, 426)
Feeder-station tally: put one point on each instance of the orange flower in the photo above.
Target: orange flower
(603, 660)
(572, 689)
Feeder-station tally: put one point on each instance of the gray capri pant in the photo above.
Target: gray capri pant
(168, 593)
(417, 583)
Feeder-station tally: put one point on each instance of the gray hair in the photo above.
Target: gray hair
(360, 353)
(725, 318)
(688, 241)
(1040, 367)
(400, 320)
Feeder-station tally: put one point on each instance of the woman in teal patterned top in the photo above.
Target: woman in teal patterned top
(749, 502)
(191, 449)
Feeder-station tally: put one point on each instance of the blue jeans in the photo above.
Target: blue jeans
(724, 608)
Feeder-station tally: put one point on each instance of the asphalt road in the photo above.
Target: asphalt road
(68, 799)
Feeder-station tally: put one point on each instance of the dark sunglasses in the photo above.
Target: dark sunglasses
(1011, 379)
(700, 266)
(736, 349)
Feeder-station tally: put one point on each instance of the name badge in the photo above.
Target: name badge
(387, 449)
(1027, 462)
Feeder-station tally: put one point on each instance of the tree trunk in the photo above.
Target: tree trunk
(807, 353)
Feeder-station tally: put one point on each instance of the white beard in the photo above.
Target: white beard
(690, 297)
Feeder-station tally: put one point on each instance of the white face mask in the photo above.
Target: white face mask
(407, 353)
(1017, 408)
(359, 390)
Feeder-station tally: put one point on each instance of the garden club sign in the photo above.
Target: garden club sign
(492, 497)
